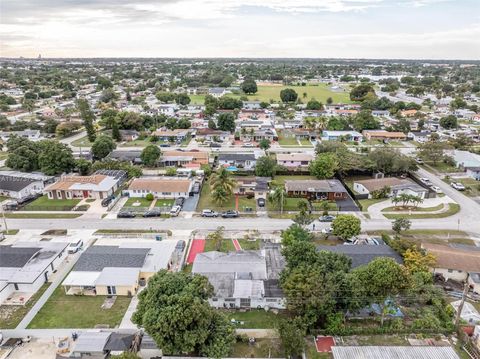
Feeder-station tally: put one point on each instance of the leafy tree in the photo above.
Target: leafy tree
(266, 167)
(249, 86)
(390, 161)
(50, 125)
(55, 158)
(182, 99)
(65, 129)
(87, 116)
(432, 151)
(116, 131)
(295, 233)
(314, 105)
(288, 95)
(177, 303)
(303, 218)
(278, 198)
(324, 166)
(401, 224)
(211, 124)
(418, 261)
(129, 121)
(292, 333)
(171, 171)
(346, 226)
(23, 158)
(364, 120)
(150, 155)
(449, 122)
(108, 95)
(329, 101)
(229, 103)
(264, 144)
(83, 166)
(222, 185)
(102, 146)
(226, 122)
(379, 280)
(217, 237)
(362, 92)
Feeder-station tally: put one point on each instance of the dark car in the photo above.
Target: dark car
(152, 213)
(216, 145)
(27, 199)
(180, 245)
(180, 201)
(164, 145)
(327, 218)
(126, 214)
(230, 214)
(261, 202)
(106, 201)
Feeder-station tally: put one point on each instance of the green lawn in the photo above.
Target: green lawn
(227, 245)
(205, 201)
(255, 319)
(291, 204)
(453, 208)
(82, 142)
(42, 215)
(414, 209)
(17, 312)
(287, 141)
(140, 143)
(280, 180)
(441, 167)
(144, 203)
(306, 143)
(71, 311)
(3, 198)
(368, 202)
(164, 202)
(45, 204)
(263, 348)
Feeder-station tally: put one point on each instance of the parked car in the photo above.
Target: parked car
(152, 213)
(216, 145)
(261, 202)
(436, 189)
(209, 213)
(426, 181)
(230, 214)
(249, 145)
(180, 246)
(164, 145)
(106, 201)
(328, 230)
(74, 247)
(175, 211)
(126, 214)
(326, 218)
(458, 186)
(180, 201)
(419, 161)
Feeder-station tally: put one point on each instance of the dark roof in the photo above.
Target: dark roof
(95, 258)
(125, 155)
(16, 257)
(13, 183)
(119, 342)
(272, 288)
(236, 157)
(363, 254)
(117, 174)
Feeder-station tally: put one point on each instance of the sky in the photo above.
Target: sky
(400, 29)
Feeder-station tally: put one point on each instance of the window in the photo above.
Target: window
(271, 300)
(450, 271)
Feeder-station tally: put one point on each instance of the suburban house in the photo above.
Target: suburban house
(469, 162)
(247, 185)
(243, 279)
(18, 185)
(297, 160)
(408, 113)
(26, 266)
(100, 185)
(217, 92)
(364, 253)
(383, 135)
(209, 134)
(177, 135)
(338, 135)
(177, 158)
(419, 136)
(252, 105)
(394, 352)
(118, 269)
(102, 344)
(239, 160)
(397, 186)
(126, 155)
(129, 135)
(32, 135)
(455, 263)
(331, 189)
(257, 135)
(160, 187)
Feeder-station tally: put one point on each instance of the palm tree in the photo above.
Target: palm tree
(395, 200)
(278, 198)
(416, 200)
(404, 198)
(222, 185)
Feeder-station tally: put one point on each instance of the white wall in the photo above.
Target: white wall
(451, 274)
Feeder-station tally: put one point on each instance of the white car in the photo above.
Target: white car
(75, 247)
(425, 181)
(458, 186)
(175, 211)
(328, 230)
(436, 189)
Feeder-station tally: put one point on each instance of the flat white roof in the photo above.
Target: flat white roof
(81, 279)
(118, 276)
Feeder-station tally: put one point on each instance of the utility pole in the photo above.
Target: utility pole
(462, 302)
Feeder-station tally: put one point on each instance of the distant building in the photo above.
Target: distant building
(32, 135)
(384, 135)
(295, 160)
(217, 92)
(246, 161)
(18, 185)
(346, 135)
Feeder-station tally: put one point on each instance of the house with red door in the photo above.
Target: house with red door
(97, 186)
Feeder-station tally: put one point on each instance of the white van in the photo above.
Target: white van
(175, 211)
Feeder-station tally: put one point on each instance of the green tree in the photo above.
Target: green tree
(266, 167)
(177, 303)
(288, 95)
(182, 99)
(249, 86)
(55, 158)
(346, 226)
(150, 155)
(226, 122)
(222, 185)
(324, 165)
(264, 144)
(83, 166)
(278, 198)
(102, 146)
(364, 120)
(87, 116)
(401, 224)
(50, 125)
(294, 234)
(314, 105)
(292, 333)
(432, 151)
(217, 237)
(362, 92)
(303, 217)
(449, 122)
(116, 131)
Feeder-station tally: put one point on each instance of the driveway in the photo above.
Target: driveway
(190, 204)
(347, 205)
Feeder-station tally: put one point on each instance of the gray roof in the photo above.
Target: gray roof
(125, 155)
(363, 254)
(16, 184)
(331, 185)
(95, 258)
(119, 342)
(236, 157)
(91, 342)
(393, 352)
(232, 262)
(16, 257)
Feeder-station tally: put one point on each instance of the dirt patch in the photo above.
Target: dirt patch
(37, 348)
(55, 232)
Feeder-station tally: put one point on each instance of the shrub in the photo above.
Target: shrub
(149, 197)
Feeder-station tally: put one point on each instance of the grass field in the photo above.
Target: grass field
(291, 204)
(72, 311)
(255, 319)
(414, 209)
(269, 93)
(287, 141)
(453, 208)
(45, 204)
(227, 245)
(43, 215)
(262, 348)
(143, 203)
(164, 202)
(368, 202)
(82, 142)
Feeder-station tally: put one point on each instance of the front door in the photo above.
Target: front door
(111, 290)
(85, 194)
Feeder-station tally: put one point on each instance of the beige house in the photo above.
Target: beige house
(160, 187)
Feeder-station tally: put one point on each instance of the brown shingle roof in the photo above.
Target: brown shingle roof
(454, 258)
(65, 182)
(375, 184)
(160, 185)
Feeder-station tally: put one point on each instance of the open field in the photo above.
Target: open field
(72, 311)
(414, 209)
(368, 202)
(255, 319)
(263, 348)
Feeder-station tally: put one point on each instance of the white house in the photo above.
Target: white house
(32, 135)
(160, 187)
(18, 185)
(246, 161)
(397, 186)
(336, 135)
(217, 92)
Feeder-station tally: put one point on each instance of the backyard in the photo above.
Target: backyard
(71, 311)
(45, 204)
(262, 348)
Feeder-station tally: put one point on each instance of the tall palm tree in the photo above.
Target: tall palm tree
(278, 198)
(222, 185)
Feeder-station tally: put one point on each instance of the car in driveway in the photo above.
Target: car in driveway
(180, 201)
(328, 230)
(175, 211)
(458, 186)
(126, 214)
(106, 201)
(436, 189)
(261, 202)
(425, 181)
(152, 213)
(230, 214)
(209, 213)
(326, 218)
